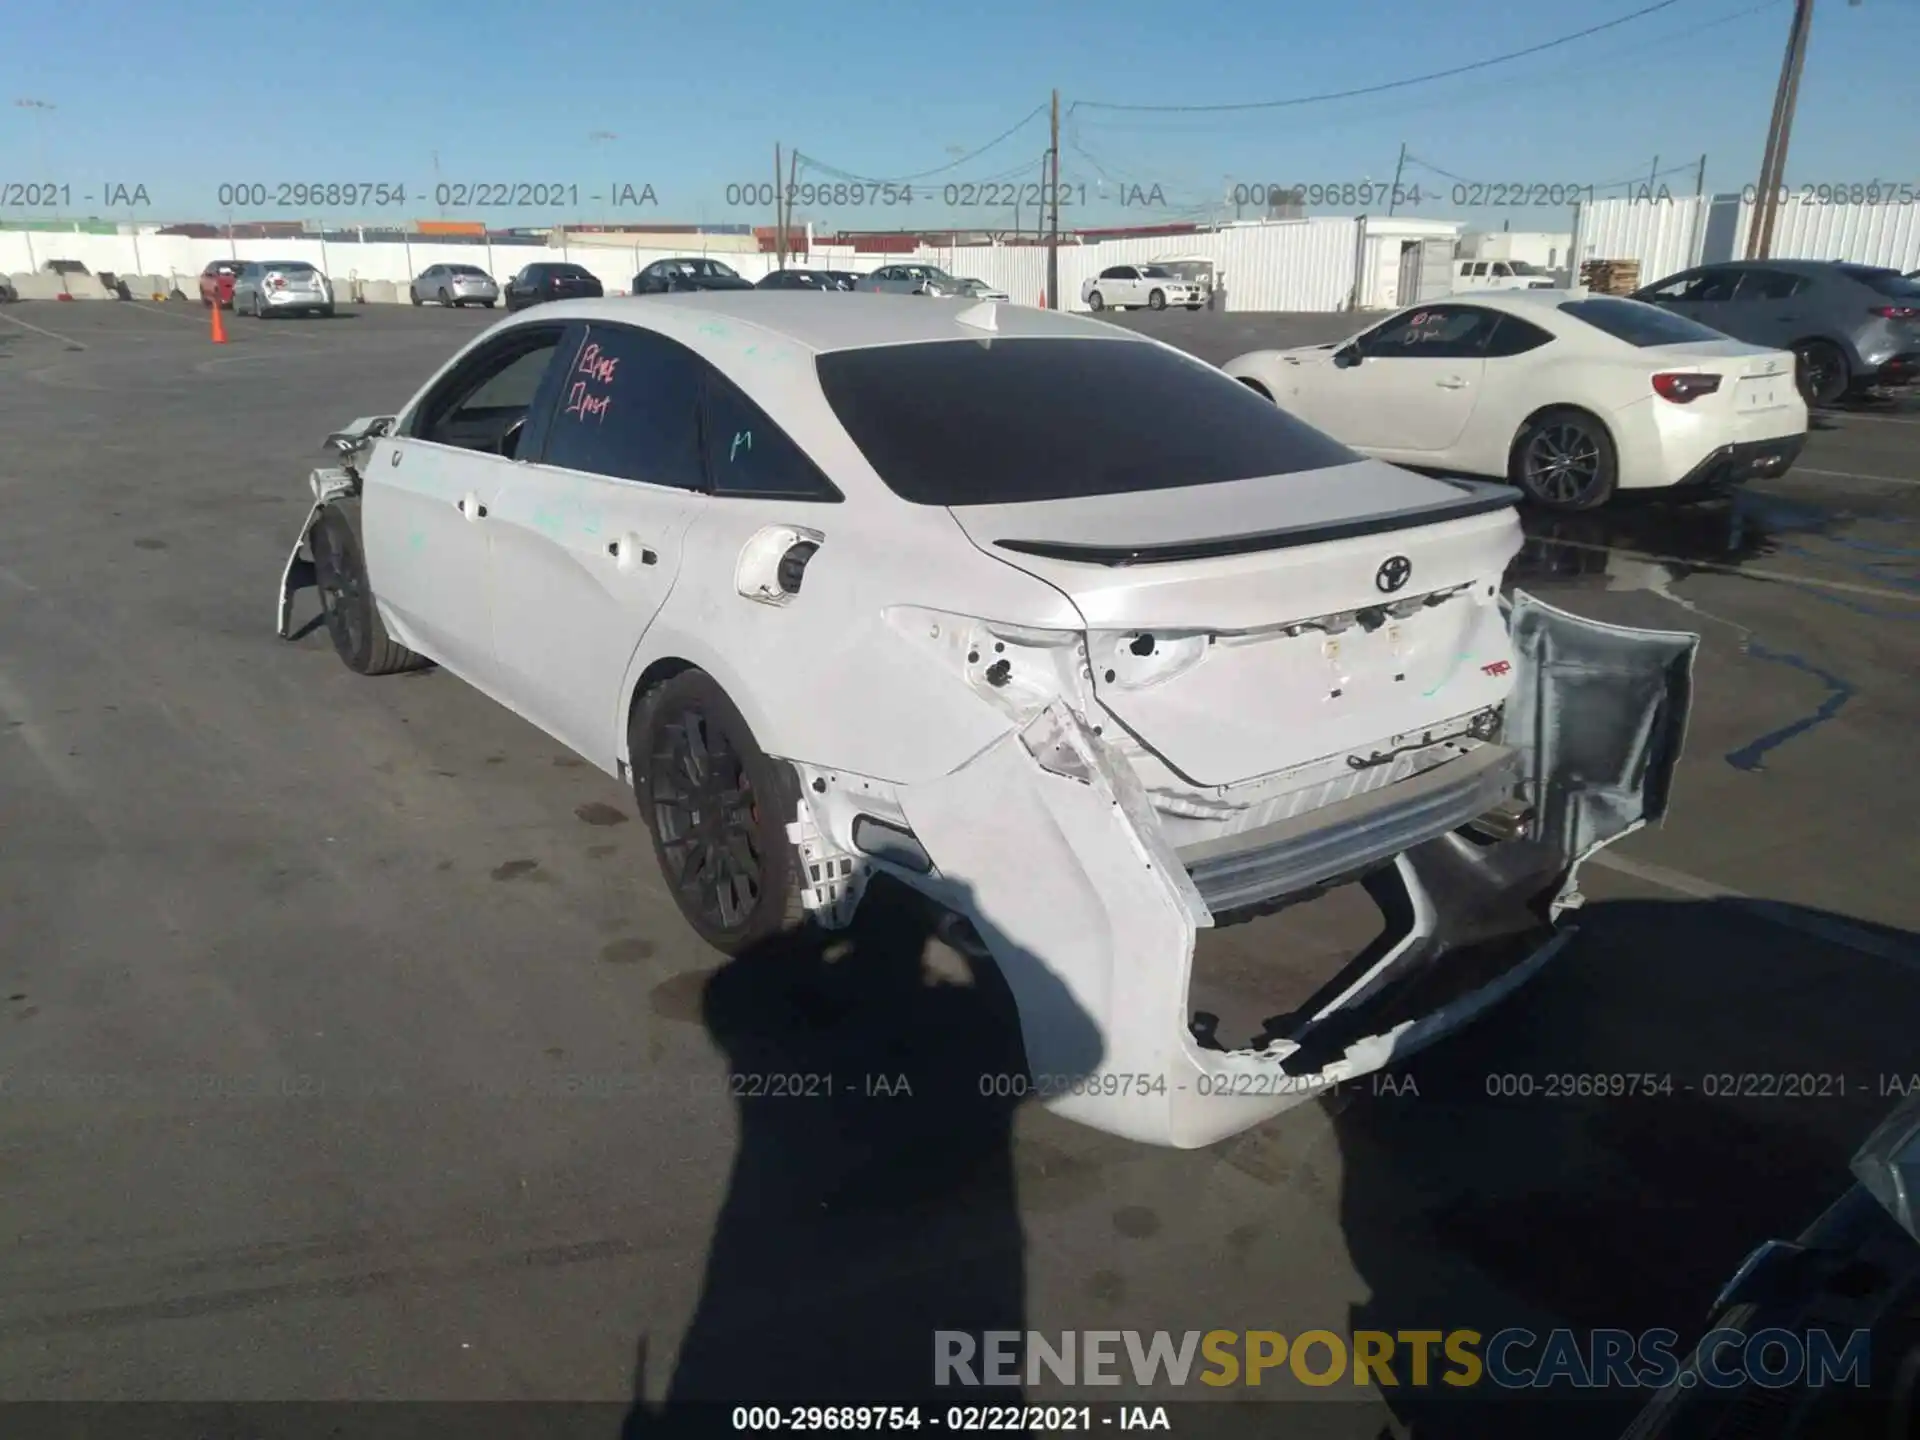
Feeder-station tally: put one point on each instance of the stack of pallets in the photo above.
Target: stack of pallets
(1610, 277)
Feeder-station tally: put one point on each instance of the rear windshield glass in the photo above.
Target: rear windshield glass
(1887, 282)
(467, 270)
(1638, 323)
(290, 267)
(959, 422)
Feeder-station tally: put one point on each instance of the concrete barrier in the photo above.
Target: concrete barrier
(39, 285)
(348, 291)
(381, 292)
(89, 287)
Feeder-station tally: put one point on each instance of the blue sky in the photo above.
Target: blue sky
(183, 98)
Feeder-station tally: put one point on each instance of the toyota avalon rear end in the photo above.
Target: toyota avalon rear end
(1293, 670)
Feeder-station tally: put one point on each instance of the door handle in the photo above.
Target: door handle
(470, 507)
(622, 549)
(1451, 383)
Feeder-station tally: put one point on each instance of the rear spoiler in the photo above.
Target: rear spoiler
(1475, 498)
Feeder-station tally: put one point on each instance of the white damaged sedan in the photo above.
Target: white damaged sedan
(932, 591)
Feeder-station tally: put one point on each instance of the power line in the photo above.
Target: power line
(1390, 84)
(838, 174)
(1640, 177)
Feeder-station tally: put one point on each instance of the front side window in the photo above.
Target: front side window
(1437, 332)
(958, 422)
(627, 409)
(488, 393)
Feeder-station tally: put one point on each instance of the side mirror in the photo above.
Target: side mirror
(1348, 355)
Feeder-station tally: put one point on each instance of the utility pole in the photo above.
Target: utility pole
(1653, 178)
(793, 173)
(1053, 204)
(1773, 165)
(779, 221)
(1398, 166)
(1700, 180)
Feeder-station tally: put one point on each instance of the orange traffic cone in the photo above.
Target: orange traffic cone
(1043, 299)
(219, 325)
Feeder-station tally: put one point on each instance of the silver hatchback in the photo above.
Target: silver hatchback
(455, 285)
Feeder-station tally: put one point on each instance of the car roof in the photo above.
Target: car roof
(1519, 301)
(861, 320)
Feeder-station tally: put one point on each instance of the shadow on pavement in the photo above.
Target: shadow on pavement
(1487, 1186)
(857, 1222)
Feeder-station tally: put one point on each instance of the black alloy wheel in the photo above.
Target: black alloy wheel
(1565, 460)
(718, 808)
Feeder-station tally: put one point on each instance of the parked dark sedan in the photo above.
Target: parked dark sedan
(668, 276)
(847, 278)
(800, 280)
(551, 280)
(1850, 327)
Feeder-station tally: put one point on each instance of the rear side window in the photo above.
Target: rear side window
(966, 422)
(1514, 336)
(748, 455)
(627, 409)
(1640, 325)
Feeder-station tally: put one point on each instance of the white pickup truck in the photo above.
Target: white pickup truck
(1501, 275)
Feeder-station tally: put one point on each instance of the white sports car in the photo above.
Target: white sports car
(932, 591)
(1569, 395)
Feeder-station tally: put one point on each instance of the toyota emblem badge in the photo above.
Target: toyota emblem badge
(1394, 572)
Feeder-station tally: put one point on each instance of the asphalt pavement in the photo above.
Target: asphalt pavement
(351, 1049)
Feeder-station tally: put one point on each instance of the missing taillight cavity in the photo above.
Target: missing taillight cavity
(1897, 312)
(1683, 388)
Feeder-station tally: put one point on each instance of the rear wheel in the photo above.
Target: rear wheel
(1822, 372)
(445, 298)
(1564, 459)
(1193, 305)
(1157, 300)
(346, 598)
(1096, 301)
(717, 808)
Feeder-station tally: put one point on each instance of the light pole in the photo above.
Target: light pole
(598, 137)
(39, 109)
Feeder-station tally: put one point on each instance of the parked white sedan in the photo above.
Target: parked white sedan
(1120, 287)
(1569, 395)
(934, 592)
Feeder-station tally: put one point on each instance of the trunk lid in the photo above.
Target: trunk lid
(1243, 628)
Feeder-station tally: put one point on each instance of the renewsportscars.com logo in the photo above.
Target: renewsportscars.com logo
(1512, 1359)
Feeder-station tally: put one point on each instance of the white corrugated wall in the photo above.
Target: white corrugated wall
(1663, 236)
(1667, 236)
(1284, 265)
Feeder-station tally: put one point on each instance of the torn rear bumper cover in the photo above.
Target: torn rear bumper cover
(1593, 730)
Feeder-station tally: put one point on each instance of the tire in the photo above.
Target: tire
(445, 299)
(259, 311)
(1591, 469)
(1193, 307)
(325, 312)
(756, 894)
(492, 303)
(1822, 373)
(204, 300)
(1096, 301)
(346, 598)
(414, 296)
(1157, 300)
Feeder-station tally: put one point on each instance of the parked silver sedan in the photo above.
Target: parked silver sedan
(276, 287)
(455, 285)
(912, 280)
